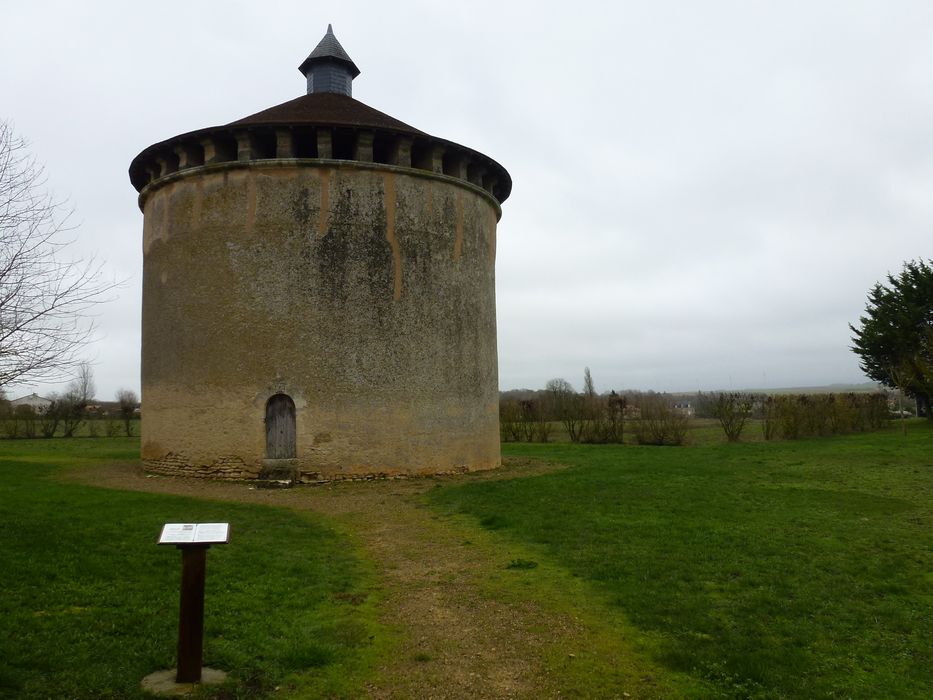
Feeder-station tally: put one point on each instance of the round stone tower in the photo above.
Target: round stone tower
(318, 293)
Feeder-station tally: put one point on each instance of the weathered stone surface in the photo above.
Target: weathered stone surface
(163, 682)
(364, 292)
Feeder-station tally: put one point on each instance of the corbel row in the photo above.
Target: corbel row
(246, 145)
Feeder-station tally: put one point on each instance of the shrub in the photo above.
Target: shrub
(50, 418)
(769, 425)
(11, 427)
(524, 421)
(660, 424)
(732, 411)
(806, 415)
(603, 419)
(128, 402)
(567, 406)
(509, 421)
(27, 419)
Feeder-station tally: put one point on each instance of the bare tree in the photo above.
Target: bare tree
(567, 405)
(589, 389)
(128, 401)
(76, 398)
(45, 297)
(732, 411)
(51, 416)
(26, 415)
(660, 423)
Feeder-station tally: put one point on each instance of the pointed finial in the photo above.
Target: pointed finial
(329, 68)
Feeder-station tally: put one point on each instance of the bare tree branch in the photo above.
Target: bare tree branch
(45, 297)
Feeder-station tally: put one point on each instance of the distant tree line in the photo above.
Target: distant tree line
(791, 416)
(590, 417)
(650, 418)
(69, 412)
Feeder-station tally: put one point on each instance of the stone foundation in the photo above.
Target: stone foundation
(228, 468)
(235, 469)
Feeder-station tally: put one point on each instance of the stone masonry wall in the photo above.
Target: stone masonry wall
(366, 293)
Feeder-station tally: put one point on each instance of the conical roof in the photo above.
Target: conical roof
(305, 117)
(329, 49)
(327, 108)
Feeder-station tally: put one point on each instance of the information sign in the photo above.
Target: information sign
(195, 533)
(193, 539)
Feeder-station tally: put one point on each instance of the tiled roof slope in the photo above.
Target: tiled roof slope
(326, 108)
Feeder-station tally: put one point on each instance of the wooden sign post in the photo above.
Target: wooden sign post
(193, 540)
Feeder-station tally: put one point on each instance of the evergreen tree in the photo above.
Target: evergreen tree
(894, 340)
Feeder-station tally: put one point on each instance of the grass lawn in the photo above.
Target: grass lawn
(89, 602)
(799, 569)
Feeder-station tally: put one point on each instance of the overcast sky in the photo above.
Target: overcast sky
(704, 192)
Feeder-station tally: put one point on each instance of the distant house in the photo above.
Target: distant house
(38, 403)
(685, 408)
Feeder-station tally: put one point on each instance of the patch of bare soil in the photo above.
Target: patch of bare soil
(459, 641)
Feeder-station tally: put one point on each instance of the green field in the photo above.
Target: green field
(90, 603)
(792, 569)
(796, 569)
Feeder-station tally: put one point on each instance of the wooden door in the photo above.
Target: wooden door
(280, 427)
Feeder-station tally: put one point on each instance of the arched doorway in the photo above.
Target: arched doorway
(280, 427)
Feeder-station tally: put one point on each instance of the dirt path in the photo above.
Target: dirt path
(462, 637)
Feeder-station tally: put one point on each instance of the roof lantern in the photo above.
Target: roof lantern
(325, 124)
(329, 68)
